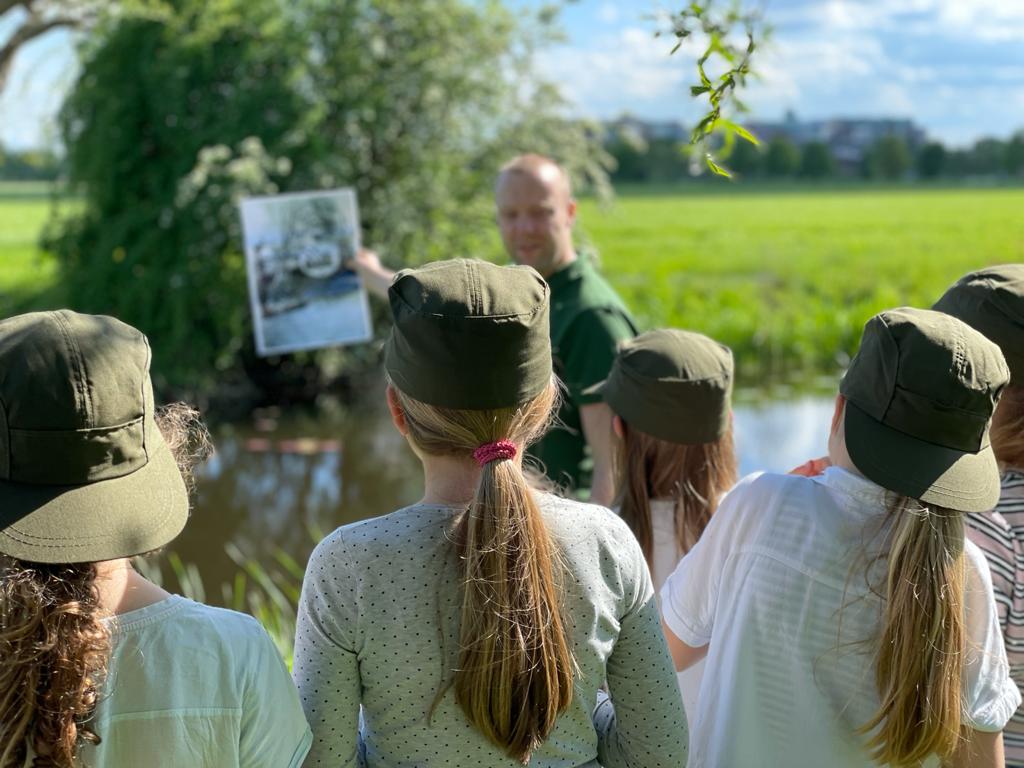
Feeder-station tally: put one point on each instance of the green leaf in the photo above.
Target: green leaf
(700, 69)
(740, 131)
(716, 168)
(697, 90)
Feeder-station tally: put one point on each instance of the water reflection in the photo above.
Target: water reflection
(776, 436)
(286, 478)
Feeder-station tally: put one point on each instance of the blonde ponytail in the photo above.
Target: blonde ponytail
(515, 669)
(922, 643)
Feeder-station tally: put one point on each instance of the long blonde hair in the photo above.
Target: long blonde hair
(515, 669)
(693, 476)
(919, 662)
(1008, 428)
(54, 645)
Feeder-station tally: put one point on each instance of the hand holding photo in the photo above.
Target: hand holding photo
(302, 293)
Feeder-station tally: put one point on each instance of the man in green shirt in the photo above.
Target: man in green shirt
(535, 215)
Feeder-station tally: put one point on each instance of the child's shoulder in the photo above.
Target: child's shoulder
(755, 489)
(232, 627)
(580, 517)
(180, 627)
(763, 496)
(409, 534)
(585, 531)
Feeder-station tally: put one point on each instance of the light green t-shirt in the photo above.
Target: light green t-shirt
(378, 633)
(191, 686)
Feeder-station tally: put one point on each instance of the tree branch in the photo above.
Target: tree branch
(28, 31)
(7, 5)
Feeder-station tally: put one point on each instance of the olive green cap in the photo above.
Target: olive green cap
(992, 301)
(469, 334)
(84, 472)
(672, 385)
(920, 395)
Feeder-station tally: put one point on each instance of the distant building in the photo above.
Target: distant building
(649, 130)
(849, 139)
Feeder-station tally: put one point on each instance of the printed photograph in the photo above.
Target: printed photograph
(302, 294)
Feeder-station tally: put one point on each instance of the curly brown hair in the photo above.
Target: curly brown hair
(54, 644)
(54, 650)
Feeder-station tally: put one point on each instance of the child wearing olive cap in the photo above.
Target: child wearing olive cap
(669, 391)
(845, 620)
(98, 666)
(992, 301)
(478, 626)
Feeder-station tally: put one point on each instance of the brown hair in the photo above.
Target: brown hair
(692, 476)
(919, 662)
(1008, 428)
(515, 670)
(54, 646)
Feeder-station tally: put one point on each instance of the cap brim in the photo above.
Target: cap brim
(967, 482)
(97, 521)
(595, 389)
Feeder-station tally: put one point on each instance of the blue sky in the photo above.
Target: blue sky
(954, 66)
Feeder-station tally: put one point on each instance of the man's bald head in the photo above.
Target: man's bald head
(539, 167)
(536, 212)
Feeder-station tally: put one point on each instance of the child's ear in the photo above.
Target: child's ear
(618, 426)
(397, 413)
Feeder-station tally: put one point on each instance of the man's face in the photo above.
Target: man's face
(535, 218)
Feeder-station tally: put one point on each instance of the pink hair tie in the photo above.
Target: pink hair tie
(496, 451)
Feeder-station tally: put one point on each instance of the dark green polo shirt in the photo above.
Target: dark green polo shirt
(588, 320)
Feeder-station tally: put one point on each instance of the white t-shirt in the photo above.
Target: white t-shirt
(666, 554)
(764, 586)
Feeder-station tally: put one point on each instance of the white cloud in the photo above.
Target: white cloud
(991, 20)
(995, 20)
(628, 66)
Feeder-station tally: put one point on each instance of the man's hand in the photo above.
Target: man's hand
(376, 277)
(812, 468)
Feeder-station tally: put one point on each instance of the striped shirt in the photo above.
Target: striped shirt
(1000, 535)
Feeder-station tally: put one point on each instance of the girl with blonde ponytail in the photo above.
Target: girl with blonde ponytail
(478, 626)
(98, 666)
(845, 619)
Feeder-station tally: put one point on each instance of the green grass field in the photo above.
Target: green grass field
(28, 277)
(786, 277)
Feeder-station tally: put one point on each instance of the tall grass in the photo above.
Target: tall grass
(788, 279)
(28, 276)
